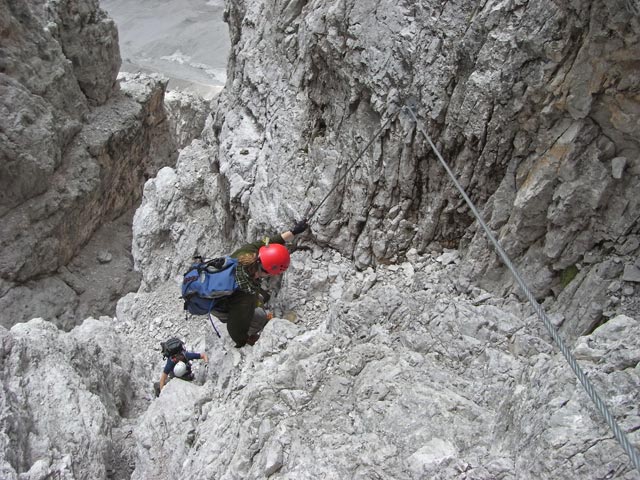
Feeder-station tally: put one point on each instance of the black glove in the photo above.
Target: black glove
(300, 227)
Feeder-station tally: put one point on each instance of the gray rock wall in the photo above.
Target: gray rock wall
(534, 104)
(89, 40)
(36, 77)
(187, 114)
(390, 372)
(386, 359)
(66, 400)
(77, 145)
(394, 369)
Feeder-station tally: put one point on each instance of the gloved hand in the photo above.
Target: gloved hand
(300, 227)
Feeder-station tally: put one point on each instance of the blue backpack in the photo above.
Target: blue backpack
(206, 282)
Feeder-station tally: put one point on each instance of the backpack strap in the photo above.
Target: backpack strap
(211, 319)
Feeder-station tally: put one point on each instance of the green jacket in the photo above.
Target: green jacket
(243, 302)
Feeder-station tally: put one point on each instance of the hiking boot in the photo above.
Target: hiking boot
(253, 339)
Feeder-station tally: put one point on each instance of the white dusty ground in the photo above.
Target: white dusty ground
(185, 40)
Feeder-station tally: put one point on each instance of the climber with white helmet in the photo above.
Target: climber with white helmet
(241, 310)
(178, 362)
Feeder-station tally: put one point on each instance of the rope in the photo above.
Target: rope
(601, 406)
(376, 135)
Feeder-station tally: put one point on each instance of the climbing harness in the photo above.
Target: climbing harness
(375, 136)
(600, 405)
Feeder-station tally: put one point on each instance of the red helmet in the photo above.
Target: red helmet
(274, 258)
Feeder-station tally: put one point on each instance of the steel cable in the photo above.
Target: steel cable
(600, 405)
(308, 216)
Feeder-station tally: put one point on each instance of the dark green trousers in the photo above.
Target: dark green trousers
(240, 313)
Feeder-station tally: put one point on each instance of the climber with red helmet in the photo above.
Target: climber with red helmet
(241, 311)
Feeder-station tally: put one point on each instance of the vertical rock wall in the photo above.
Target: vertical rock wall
(76, 147)
(406, 370)
(533, 103)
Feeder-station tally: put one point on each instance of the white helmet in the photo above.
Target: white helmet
(180, 369)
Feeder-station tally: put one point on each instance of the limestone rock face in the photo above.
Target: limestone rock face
(76, 147)
(526, 100)
(90, 284)
(559, 402)
(388, 358)
(66, 400)
(58, 58)
(502, 93)
(42, 104)
(187, 114)
(390, 372)
(96, 181)
(89, 40)
(184, 212)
